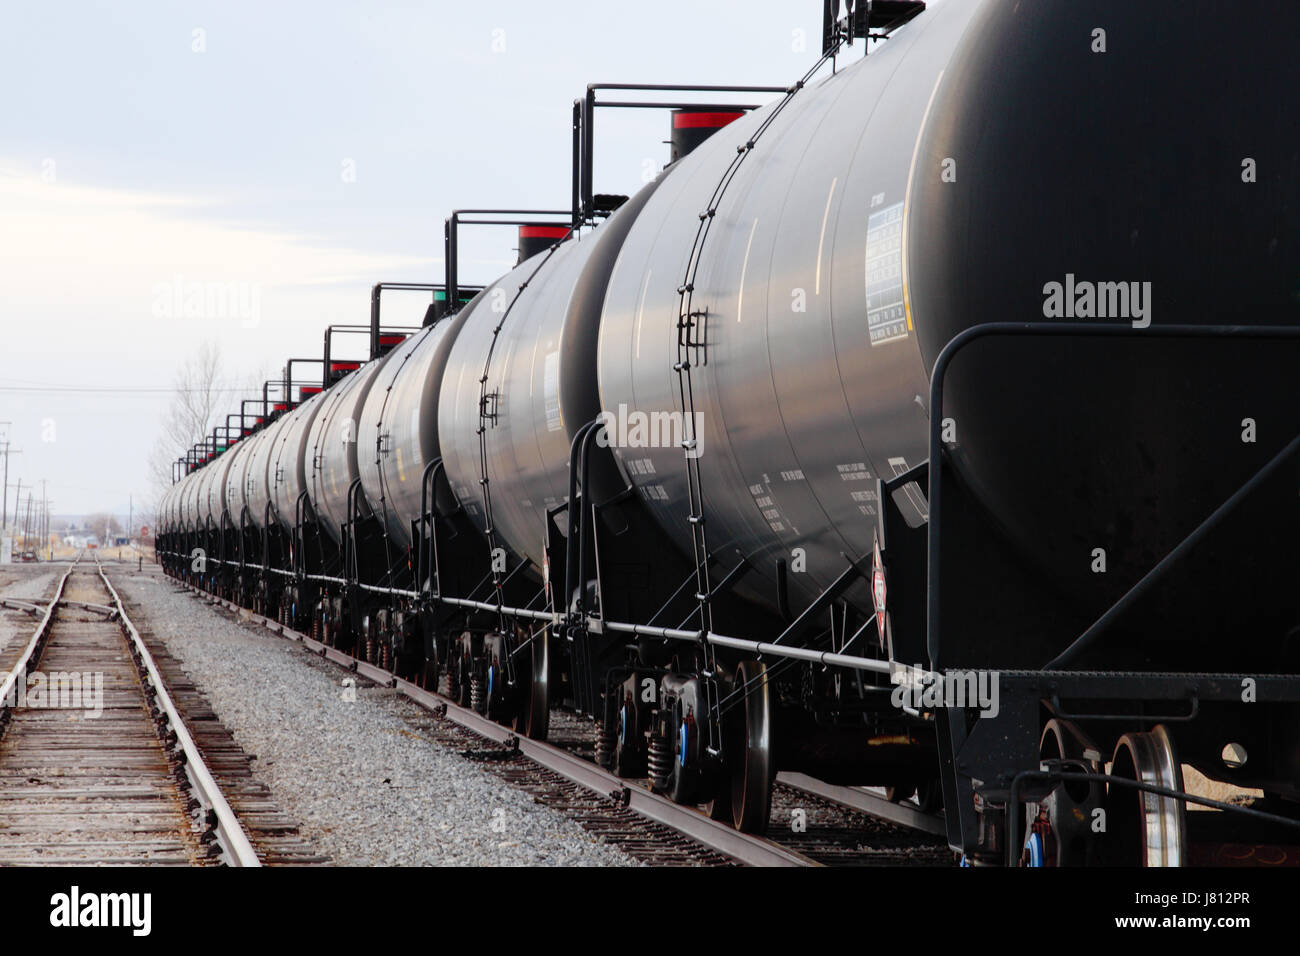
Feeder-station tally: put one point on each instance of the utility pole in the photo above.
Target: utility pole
(18, 503)
(4, 506)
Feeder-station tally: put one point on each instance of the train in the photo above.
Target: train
(931, 427)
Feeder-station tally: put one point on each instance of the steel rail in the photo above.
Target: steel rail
(28, 607)
(742, 847)
(32, 607)
(869, 803)
(229, 832)
(7, 687)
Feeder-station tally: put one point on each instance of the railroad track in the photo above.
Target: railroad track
(97, 765)
(836, 826)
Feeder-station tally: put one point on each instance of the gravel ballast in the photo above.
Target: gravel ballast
(364, 784)
(31, 586)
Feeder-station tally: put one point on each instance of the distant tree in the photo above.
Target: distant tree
(191, 414)
(203, 393)
(102, 525)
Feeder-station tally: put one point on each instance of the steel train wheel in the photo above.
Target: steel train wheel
(900, 793)
(684, 749)
(749, 757)
(1060, 828)
(1146, 829)
(533, 719)
(719, 808)
(429, 675)
(929, 795)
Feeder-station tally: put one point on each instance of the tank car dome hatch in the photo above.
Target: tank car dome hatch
(537, 237)
(691, 127)
(339, 368)
(438, 307)
(389, 341)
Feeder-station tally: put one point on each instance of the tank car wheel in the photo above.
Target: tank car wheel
(719, 808)
(900, 792)
(408, 656)
(1145, 829)
(749, 757)
(429, 674)
(929, 795)
(629, 758)
(1059, 829)
(680, 784)
(534, 717)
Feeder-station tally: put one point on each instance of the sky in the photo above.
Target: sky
(282, 158)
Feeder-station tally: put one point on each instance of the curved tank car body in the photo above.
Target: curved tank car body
(234, 485)
(182, 506)
(172, 513)
(330, 449)
(257, 488)
(1172, 220)
(165, 520)
(397, 433)
(541, 384)
(286, 468)
(809, 385)
(177, 507)
(205, 496)
(915, 194)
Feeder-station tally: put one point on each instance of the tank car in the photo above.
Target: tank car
(964, 368)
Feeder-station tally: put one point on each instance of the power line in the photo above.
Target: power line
(128, 389)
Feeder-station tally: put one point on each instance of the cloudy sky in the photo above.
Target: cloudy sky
(291, 155)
